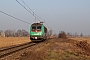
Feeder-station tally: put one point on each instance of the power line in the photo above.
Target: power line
(32, 13)
(14, 17)
(38, 18)
(24, 7)
(28, 7)
(35, 15)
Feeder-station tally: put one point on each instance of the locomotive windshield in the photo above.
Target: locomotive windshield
(36, 27)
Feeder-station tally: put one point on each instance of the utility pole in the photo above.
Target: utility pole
(35, 19)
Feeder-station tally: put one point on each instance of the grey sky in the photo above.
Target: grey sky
(66, 15)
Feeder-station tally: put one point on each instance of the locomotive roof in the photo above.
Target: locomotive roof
(40, 24)
(37, 24)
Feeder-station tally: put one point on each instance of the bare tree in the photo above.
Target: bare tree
(50, 32)
(19, 33)
(7, 33)
(24, 33)
(69, 34)
(81, 35)
(1, 31)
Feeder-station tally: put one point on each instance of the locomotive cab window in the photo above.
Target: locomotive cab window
(39, 27)
(33, 27)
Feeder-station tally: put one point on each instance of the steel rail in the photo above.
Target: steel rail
(9, 50)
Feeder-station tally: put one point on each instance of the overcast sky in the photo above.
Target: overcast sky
(61, 15)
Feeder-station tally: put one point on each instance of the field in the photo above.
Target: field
(8, 41)
(81, 39)
(60, 49)
(53, 49)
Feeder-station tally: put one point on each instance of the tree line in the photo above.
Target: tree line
(14, 33)
(19, 33)
(63, 34)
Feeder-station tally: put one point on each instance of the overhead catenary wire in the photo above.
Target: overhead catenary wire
(24, 7)
(33, 13)
(15, 17)
(30, 11)
(36, 16)
(28, 7)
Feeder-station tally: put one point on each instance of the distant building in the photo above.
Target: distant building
(2, 34)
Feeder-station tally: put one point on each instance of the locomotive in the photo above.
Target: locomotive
(38, 32)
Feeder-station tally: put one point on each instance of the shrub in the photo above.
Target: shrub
(62, 34)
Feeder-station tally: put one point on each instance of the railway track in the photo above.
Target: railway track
(12, 49)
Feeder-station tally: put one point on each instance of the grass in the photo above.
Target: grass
(52, 56)
(8, 41)
(67, 55)
(81, 39)
(73, 56)
(56, 50)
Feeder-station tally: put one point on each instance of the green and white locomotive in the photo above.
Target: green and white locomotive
(38, 32)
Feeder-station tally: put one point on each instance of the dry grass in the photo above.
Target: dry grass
(57, 49)
(8, 41)
(82, 39)
(84, 44)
